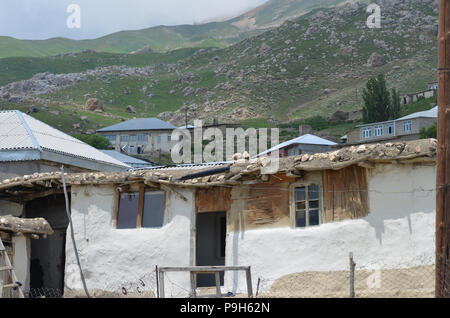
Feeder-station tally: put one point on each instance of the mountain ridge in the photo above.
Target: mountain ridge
(161, 38)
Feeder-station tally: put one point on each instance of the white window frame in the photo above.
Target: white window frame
(364, 131)
(407, 123)
(293, 209)
(378, 131)
(393, 129)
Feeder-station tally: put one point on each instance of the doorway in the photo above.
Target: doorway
(48, 255)
(210, 245)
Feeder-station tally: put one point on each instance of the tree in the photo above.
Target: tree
(377, 100)
(96, 141)
(394, 111)
(431, 132)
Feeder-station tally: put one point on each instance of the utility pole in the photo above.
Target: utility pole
(443, 156)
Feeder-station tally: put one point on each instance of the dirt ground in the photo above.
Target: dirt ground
(389, 283)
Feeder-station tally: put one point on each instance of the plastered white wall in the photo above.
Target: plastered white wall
(112, 258)
(399, 232)
(21, 260)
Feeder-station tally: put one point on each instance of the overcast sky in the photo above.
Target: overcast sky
(42, 19)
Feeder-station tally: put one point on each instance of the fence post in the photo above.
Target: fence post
(249, 282)
(157, 281)
(257, 287)
(161, 284)
(352, 276)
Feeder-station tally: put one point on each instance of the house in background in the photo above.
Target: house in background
(28, 145)
(433, 85)
(140, 136)
(430, 92)
(306, 144)
(402, 129)
(128, 160)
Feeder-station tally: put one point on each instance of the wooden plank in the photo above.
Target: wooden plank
(442, 284)
(203, 269)
(161, 283)
(248, 275)
(345, 194)
(193, 286)
(218, 291)
(140, 206)
(213, 200)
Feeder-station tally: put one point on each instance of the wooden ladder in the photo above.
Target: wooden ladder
(14, 284)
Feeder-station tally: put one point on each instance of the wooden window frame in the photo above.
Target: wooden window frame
(293, 210)
(141, 190)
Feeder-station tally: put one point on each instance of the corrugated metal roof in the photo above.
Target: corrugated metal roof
(19, 131)
(131, 161)
(139, 124)
(305, 139)
(193, 166)
(432, 113)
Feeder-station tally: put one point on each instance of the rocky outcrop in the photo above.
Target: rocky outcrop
(375, 60)
(94, 104)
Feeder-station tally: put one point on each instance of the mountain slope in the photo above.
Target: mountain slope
(314, 65)
(160, 38)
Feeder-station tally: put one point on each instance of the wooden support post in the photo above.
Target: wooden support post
(193, 285)
(249, 282)
(218, 291)
(161, 284)
(352, 276)
(442, 288)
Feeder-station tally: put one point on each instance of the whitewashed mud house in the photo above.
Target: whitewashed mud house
(377, 201)
(29, 146)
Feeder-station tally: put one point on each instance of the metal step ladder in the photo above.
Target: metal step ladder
(7, 267)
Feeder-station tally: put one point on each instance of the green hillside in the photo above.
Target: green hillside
(160, 38)
(311, 66)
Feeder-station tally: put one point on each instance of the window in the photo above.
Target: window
(153, 209)
(367, 132)
(159, 139)
(390, 129)
(307, 206)
(142, 137)
(133, 138)
(169, 138)
(111, 138)
(124, 137)
(128, 210)
(378, 131)
(407, 125)
(141, 209)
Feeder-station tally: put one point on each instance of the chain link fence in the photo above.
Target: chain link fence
(376, 279)
(43, 293)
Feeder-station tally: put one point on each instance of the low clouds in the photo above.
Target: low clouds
(42, 19)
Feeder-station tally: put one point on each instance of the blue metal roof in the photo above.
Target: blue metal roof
(305, 139)
(139, 124)
(131, 161)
